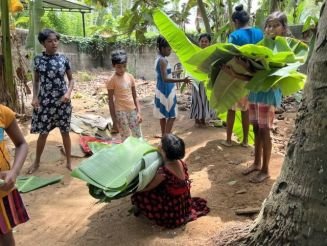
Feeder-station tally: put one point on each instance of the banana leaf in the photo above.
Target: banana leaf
(97, 146)
(227, 90)
(109, 167)
(30, 183)
(287, 44)
(151, 164)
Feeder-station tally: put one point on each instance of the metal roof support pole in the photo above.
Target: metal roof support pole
(6, 51)
(83, 19)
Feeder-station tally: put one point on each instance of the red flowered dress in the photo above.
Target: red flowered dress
(170, 203)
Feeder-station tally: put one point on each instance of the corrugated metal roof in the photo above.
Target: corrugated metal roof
(64, 5)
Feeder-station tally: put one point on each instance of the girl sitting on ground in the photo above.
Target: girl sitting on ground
(167, 198)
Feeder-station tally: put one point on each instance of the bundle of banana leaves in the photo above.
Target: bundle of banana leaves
(229, 72)
(119, 170)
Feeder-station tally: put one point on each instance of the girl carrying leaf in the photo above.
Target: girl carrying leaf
(262, 108)
(244, 34)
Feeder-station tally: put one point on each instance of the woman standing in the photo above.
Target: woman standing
(200, 109)
(51, 96)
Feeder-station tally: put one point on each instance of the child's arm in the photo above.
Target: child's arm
(36, 86)
(71, 83)
(112, 106)
(160, 176)
(137, 104)
(18, 139)
(163, 70)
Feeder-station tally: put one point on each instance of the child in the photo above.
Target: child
(167, 198)
(262, 108)
(200, 109)
(51, 97)
(165, 95)
(123, 103)
(244, 34)
(12, 209)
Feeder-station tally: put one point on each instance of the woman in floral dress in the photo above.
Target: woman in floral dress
(167, 199)
(51, 97)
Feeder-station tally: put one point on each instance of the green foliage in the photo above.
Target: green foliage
(310, 23)
(139, 18)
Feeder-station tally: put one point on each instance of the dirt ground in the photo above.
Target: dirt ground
(65, 214)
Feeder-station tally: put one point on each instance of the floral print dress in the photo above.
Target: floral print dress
(52, 112)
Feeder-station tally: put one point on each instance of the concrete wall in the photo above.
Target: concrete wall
(140, 60)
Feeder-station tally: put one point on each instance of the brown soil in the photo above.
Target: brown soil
(65, 214)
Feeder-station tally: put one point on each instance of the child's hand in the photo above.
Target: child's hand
(65, 98)
(35, 103)
(139, 118)
(187, 80)
(9, 178)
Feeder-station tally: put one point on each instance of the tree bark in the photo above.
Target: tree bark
(274, 6)
(8, 94)
(295, 211)
(204, 16)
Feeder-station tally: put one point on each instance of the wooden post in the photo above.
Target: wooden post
(10, 88)
(83, 19)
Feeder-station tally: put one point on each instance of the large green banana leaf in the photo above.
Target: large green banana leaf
(138, 163)
(110, 167)
(152, 162)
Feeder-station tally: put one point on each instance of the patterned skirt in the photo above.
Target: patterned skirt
(168, 210)
(200, 108)
(12, 212)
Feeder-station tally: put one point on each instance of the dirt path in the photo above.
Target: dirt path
(65, 214)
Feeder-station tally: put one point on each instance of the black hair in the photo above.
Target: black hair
(45, 33)
(162, 43)
(118, 57)
(205, 35)
(173, 146)
(282, 18)
(241, 15)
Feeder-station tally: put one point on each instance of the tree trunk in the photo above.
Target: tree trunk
(295, 213)
(249, 6)
(274, 6)
(204, 16)
(230, 13)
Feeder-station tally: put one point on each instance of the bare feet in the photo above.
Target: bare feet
(245, 145)
(251, 169)
(227, 143)
(114, 131)
(33, 168)
(69, 166)
(260, 177)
